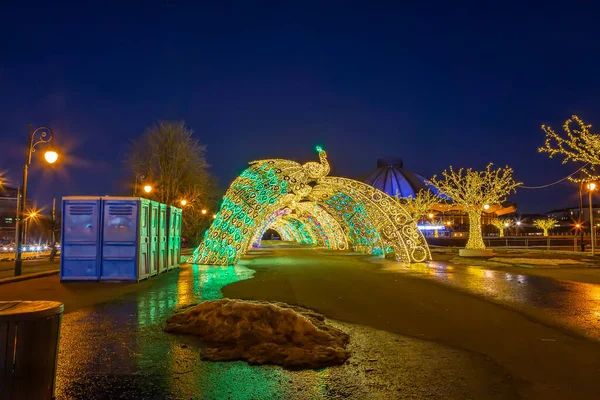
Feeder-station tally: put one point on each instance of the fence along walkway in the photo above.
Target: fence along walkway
(547, 242)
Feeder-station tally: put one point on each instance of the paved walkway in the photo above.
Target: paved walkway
(543, 332)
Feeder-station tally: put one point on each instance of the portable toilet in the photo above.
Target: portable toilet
(124, 238)
(153, 237)
(174, 237)
(80, 238)
(162, 238)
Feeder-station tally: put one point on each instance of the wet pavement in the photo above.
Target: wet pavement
(566, 304)
(542, 331)
(118, 350)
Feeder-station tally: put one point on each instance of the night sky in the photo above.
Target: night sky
(436, 85)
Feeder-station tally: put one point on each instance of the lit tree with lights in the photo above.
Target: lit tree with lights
(420, 205)
(544, 224)
(436, 224)
(501, 224)
(577, 144)
(475, 191)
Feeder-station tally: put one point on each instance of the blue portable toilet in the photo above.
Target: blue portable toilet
(80, 238)
(125, 238)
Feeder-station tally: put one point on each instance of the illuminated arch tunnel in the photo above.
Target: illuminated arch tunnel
(305, 205)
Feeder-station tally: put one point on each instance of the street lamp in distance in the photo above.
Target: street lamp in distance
(44, 135)
(204, 211)
(591, 187)
(147, 188)
(183, 202)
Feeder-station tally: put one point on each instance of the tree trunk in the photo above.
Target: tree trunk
(545, 232)
(501, 232)
(475, 236)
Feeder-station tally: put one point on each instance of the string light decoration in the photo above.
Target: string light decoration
(257, 237)
(334, 212)
(579, 144)
(545, 224)
(330, 226)
(420, 205)
(435, 225)
(472, 190)
(501, 224)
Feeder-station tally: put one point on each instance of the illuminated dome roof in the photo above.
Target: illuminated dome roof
(392, 178)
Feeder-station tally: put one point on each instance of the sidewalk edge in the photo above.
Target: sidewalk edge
(26, 277)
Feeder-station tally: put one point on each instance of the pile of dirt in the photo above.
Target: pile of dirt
(262, 333)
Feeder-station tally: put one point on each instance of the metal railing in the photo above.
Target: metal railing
(569, 243)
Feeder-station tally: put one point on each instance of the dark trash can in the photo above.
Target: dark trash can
(29, 337)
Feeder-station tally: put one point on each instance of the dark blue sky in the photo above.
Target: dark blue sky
(435, 84)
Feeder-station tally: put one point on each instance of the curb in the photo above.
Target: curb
(26, 277)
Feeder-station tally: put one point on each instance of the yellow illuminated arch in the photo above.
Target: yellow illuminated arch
(304, 204)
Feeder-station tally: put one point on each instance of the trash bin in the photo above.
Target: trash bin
(29, 337)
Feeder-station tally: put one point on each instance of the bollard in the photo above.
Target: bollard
(29, 337)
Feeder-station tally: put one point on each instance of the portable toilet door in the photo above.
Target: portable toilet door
(120, 238)
(144, 239)
(80, 238)
(162, 238)
(177, 232)
(171, 238)
(153, 238)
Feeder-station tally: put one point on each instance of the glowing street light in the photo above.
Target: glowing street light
(147, 188)
(486, 206)
(204, 211)
(183, 202)
(430, 215)
(591, 187)
(51, 156)
(214, 216)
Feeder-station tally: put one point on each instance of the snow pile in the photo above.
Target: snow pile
(262, 333)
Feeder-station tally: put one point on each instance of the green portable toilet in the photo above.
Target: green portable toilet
(162, 238)
(174, 237)
(154, 217)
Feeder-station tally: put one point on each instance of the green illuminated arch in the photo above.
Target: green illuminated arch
(306, 205)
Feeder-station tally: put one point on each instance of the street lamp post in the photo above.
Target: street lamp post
(139, 178)
(45, 135)
(591, 187)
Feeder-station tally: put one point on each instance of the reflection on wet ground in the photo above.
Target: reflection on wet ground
(570, 304)
(118, 350)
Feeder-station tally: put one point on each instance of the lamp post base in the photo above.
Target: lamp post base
(476, 252)
(18, 267)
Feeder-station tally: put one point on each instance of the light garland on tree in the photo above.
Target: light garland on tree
(418, 206)
(545, 224)
(501, 224)
(474, 190)
(578, 144)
